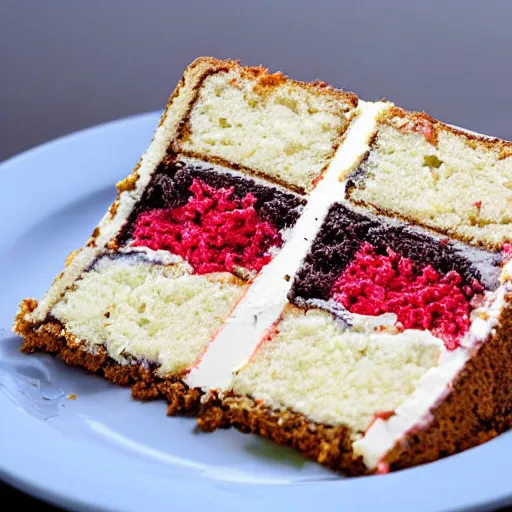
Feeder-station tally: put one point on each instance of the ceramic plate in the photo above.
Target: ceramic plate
(104, 451)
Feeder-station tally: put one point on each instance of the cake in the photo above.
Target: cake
(291, 261)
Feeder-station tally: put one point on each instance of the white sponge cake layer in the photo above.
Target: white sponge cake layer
(140, 310)
(284, 130)
(448, 181)
(336, 376)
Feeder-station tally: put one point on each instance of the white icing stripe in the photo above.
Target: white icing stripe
(266, 297)
(416, 410)
(207, 166)
(160, 256)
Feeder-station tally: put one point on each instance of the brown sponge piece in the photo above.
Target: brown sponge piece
(330, 446)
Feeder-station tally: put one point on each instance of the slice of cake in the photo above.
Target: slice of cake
(394, 347)
(208, 207)
(290, 261)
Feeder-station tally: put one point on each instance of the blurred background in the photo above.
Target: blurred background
(67, 65)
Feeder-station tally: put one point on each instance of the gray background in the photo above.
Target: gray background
(70, 64)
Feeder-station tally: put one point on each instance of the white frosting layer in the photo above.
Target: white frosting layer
(265, 299)
(220, 169)
(159, 257)
(416, 410)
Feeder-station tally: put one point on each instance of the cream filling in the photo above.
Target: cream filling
(158, 257)
(266, 298)
(416, 409)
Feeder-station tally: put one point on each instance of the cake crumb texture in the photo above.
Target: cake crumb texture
(137, 309)
(333, 375)
(430, 174)
(268, 124)
(214, 231)
(422, 298)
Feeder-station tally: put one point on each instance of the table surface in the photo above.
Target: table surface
(22, 500)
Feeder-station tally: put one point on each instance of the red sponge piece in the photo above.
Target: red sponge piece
(422, 298)
(214, 231)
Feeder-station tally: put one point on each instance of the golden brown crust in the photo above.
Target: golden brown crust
(71, 257)
(266, 82)
(51, 337)
(419, 122)
(330, 446)
(125, 185)
(478, 408)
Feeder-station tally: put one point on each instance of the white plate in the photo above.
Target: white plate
(106, 451)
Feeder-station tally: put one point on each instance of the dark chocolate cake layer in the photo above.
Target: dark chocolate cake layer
(170, 188)
(344, 231)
